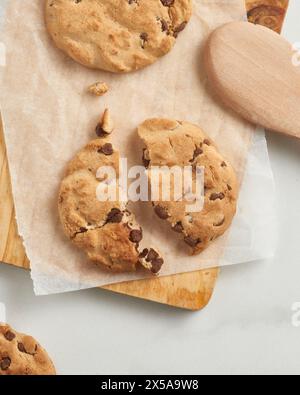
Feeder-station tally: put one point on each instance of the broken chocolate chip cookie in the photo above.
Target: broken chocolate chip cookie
(105, 229)
(22, 355)
(179, 144)
(117, 36)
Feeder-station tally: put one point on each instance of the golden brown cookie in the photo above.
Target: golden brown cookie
(105, 230)
(22, 355)
(116, 35)
(269, 13)
(173, 143)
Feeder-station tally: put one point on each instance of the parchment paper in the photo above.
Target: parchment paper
(48, 117)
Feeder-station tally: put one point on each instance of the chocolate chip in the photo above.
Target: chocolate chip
(167, 3)
(164, 25)
(115, 216)
(198, 151)
(191, 242)
(144, 39)
(21, 347)
(179, 29)
(178, 227)
(206, 142)
(146, 162)
(82, 230)
(154, 258)
(5, 363)
(152, 255)
(216, 196)
(107, 149)
(99, 131)
(156, 265)
(9, 336)
(161, 212)
(224, 164)
(144, 253)
(144, 36)
(136, 236)
(229, 187)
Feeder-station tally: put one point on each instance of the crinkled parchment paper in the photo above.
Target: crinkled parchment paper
(48, 117)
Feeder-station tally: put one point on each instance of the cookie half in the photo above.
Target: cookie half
(173, 143)
(116, 35)
(106, 230)
(22, 355)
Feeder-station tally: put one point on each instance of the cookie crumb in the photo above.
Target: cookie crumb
(151, 260)
(98, 88)
(106, 125)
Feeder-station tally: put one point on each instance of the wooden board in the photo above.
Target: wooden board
(189, 290)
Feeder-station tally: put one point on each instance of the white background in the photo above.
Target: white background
(246, 329)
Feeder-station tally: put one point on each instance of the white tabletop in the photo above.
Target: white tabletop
(248, 327)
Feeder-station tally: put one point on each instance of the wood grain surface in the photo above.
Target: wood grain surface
(258, 80)
(189, 290)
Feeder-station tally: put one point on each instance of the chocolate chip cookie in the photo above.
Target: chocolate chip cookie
(173, 143)
(22, 355)
(116, 35)
(106, 230)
